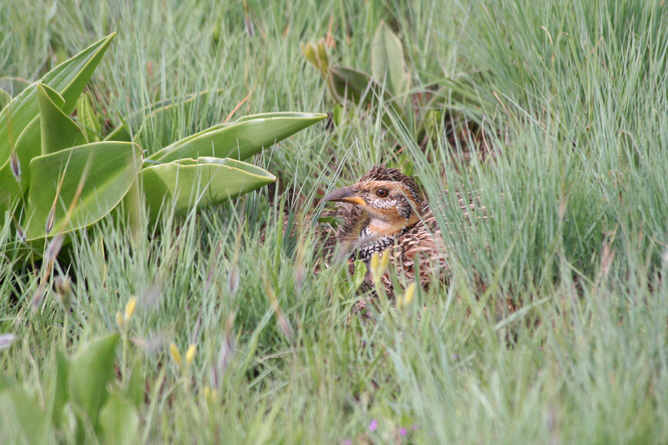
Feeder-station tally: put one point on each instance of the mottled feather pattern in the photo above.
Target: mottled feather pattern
(418, 239)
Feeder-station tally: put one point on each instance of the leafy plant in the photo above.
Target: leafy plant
(422, 111)
(80, 392)
(59, 176)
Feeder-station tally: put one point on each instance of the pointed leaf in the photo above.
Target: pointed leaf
(387, 61)
(92, 369)
(239, 140)
(119, 420)
(69, 78)
(215, 180)
(58, 131)
(76, 75)
(53, 95)
(113, 169)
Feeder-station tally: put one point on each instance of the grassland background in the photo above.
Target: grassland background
(578, 93)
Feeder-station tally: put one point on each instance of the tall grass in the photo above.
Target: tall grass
(575, 97)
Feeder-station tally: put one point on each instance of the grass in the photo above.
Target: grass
(577, 93)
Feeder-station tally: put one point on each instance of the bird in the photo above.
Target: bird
(386, 211)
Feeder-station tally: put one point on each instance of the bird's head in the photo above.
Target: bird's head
(391, 200)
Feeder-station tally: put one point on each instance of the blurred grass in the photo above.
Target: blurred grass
(577, 96)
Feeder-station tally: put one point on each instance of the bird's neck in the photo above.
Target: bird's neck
(391, 225)
(379, 227)
(372, 241)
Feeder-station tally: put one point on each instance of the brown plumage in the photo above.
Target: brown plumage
(389, 212)
(386, 210)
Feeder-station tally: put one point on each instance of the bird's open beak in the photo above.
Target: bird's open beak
(345, 194)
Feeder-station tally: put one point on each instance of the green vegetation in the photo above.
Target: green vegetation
(74, 180)
(571, 95)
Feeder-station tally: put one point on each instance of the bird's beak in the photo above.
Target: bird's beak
(345, 194)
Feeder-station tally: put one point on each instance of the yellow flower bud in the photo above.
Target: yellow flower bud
(410, 292)
(130, 308)
(119, 320)
(309, 53)
(378, 266)
(210, 394)
(190, 354)
(384, 261)
(176, 355)
(374, 264)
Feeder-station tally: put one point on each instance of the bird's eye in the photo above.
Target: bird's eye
(381, 193)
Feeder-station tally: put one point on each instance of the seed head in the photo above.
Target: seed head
(190, 354)
(130, 308)
(176, 355)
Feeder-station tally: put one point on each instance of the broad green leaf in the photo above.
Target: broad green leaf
(190, 182)
(88, 120)
(239, 140)
(58, 131)
(19, 120)
(387, 61)
(27, 147)
(13, 85)
(92, 369)
(119, 420)
(347, 84)
(58, 391)
(76, 75)
(21, 417)
(69, 78)
(112, 169)
(5, 98)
